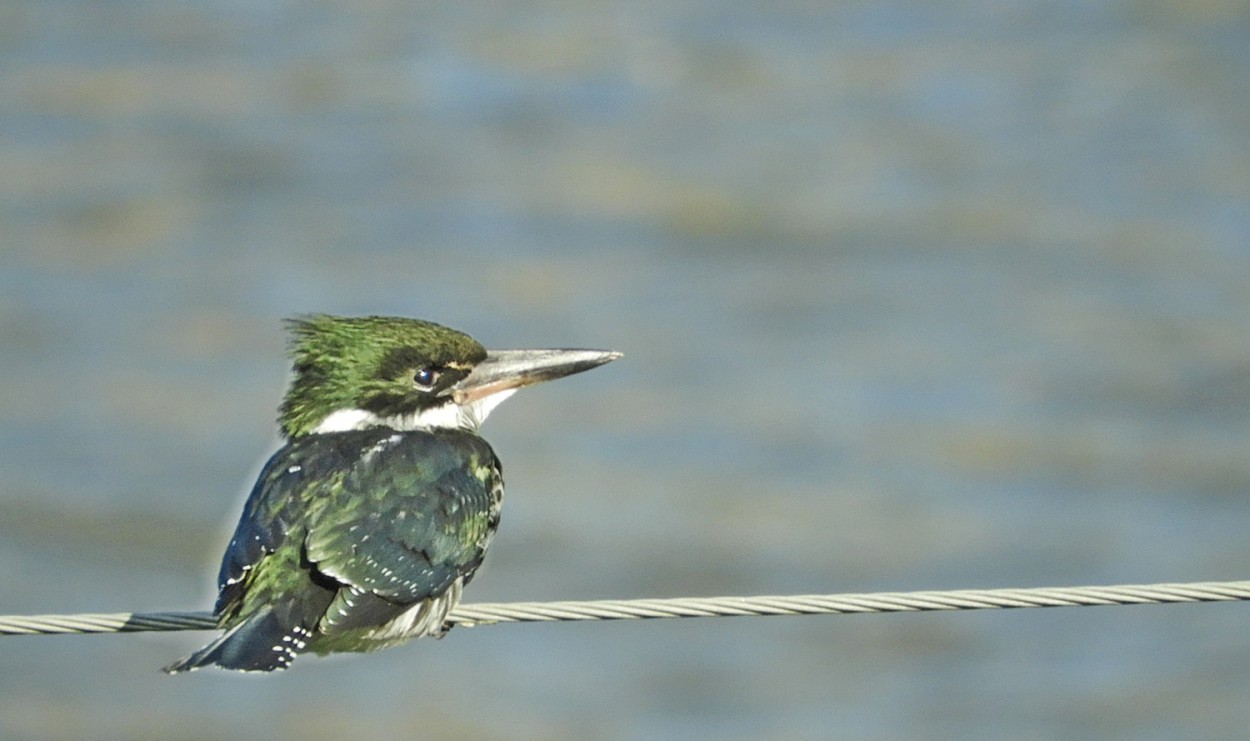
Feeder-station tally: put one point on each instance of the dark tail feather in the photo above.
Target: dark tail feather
(259, 644)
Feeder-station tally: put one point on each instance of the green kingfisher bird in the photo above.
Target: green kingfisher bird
(363, 529)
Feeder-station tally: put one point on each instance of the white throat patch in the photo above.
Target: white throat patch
(446, 416)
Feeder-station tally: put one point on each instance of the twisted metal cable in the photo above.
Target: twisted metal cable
(640, 609)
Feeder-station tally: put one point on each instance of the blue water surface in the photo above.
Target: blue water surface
(911, 295)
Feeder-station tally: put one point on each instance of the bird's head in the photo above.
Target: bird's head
(358, 372)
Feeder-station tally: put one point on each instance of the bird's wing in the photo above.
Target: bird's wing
(262, 526)
(349, 530)
(268, 600)
(264, 562)
(413, 515)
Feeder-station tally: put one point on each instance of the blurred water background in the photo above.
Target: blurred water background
(912, 295)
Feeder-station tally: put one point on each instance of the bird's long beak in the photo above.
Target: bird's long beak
(511, 369)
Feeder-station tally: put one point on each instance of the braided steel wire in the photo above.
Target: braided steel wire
(643, 609)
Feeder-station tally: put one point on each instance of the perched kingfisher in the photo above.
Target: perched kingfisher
(362, 530)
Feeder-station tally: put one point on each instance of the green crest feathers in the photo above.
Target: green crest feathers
(341, 362)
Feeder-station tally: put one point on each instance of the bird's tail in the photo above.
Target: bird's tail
(261, 643)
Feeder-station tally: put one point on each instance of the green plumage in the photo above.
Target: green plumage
(362, 530)
(366, 363)
(347, 531)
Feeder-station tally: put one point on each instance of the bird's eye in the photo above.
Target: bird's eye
(425, 378)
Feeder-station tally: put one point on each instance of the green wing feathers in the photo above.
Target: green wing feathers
(347, 531)
(415, 514)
